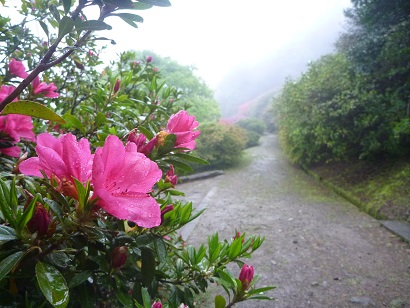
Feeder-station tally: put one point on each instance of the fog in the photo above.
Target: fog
(241, 49)
(257, 76)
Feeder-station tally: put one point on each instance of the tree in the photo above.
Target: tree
(195, 92)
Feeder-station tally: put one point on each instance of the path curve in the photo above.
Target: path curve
(320, 251)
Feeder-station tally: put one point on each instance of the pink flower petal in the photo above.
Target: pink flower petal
(17, 68)
(122, 179)
(183, 126)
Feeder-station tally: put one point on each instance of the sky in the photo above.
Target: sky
(216, 36)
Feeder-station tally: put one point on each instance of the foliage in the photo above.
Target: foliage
(94, 222)
(221, 144)
(254, 129)
(197, 95)
(353, 104)
(253, 124)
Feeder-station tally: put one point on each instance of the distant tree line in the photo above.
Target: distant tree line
(353, 103)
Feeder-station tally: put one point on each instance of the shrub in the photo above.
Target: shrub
(254, 129)
(221, 144)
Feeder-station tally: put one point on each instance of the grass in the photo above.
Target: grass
(380, 188)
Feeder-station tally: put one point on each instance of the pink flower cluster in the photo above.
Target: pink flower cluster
(18, 69)
(121, 177)
(181, 124)
(184, 127)
(13, 127)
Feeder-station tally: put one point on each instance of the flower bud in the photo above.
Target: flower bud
(171, 177)
(246, 276)
(149, 59)
(117, 86)
(165, 210)
(156, 305)
(40, 220)
(119, 257)
(238, 235)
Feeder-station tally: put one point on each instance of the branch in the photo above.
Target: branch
(44, 63)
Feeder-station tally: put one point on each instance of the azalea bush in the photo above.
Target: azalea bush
(89, 202)
(222, 144)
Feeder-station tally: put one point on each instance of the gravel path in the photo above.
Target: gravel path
(320, 251)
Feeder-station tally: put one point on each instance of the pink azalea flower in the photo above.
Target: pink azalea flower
(6, 91)
(123, 179)
(183, 126)
(141, 143)
(61, 158)
(17, 68)
(46, 89)
(15, 126)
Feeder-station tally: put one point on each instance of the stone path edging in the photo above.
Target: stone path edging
(401, 229)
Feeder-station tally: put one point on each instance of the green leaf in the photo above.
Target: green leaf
(74, 122)
(65, 27)
(180, 165)
(141, 6)
(129, 18)
(67, 6)
(44, 27)
(7, 234)
(192, 158)
(57, 259)
(220, 301)
(259, 291)
(100, 119)
(13, 201)
(261, 297)
(124, 297)
(146, 299)
(161, 250)
(55, 208)
(93, 25)
(5, 204)
(146, 132)
(54, 12)
(33, 109)
(215, 253)
(235, 248)
(87, 294)
(52, 284)
(148, 265)
(28, 213)
(8, 263)
(156, 2)
(226, 280)
(186, 212)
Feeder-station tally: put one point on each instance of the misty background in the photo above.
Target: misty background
(243, 50)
